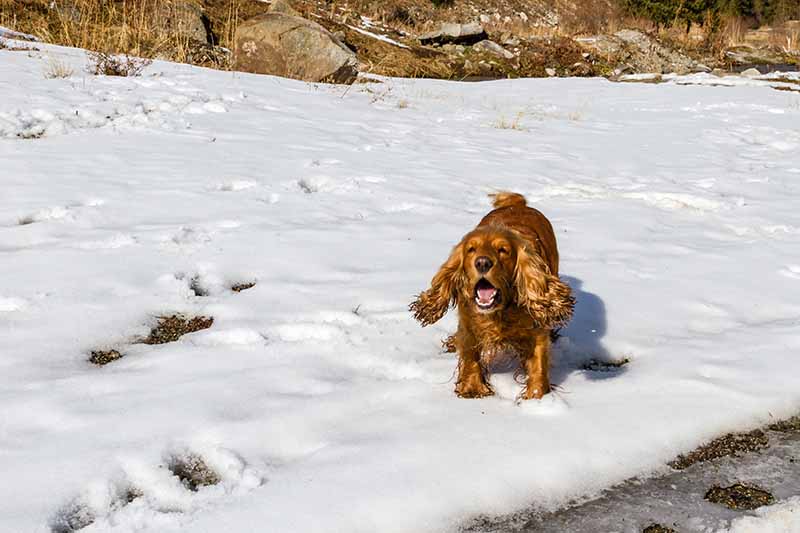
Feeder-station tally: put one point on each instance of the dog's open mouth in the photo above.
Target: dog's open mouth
(486, 295)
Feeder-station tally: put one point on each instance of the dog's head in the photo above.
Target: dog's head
(492, 269)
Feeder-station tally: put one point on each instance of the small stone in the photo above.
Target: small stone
(751, 73)
(491, 47)
(718, 72)
(550, 71)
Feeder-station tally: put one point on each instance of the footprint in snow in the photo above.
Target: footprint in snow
(185, 482)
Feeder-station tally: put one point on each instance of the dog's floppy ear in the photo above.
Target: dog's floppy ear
(432, 304)
(546, 297)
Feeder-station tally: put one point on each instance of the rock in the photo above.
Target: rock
(184, 17)
(749, 55)
(283, 6)
(639, 51)
(580, 70)
(700, 67)
(718, 72)
(550, 71)
(491, 47)
(485, 19)
(292, 47)
(751, 73)
(454, 48)
(623, 69)
(454, 33)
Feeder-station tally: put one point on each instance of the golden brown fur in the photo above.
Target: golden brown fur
(503, 278)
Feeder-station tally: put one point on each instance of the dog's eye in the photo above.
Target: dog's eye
(503, 250)
(471, 250)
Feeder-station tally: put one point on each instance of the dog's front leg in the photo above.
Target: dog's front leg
(537, 367)
(471, 381)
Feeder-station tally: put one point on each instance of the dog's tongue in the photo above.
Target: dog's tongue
(485, 294)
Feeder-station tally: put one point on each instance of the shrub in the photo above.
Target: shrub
(105, 64)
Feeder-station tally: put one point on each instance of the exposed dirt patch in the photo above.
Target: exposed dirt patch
(239, 287)
(739, 497)
(732, 444)
(171, 328)
(658, 528)
(790, 425)
(595, 365)
(193, 472)
(103, 357)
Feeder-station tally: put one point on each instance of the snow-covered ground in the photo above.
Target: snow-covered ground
(316, 398)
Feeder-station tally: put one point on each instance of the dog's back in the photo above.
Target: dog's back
(511, 211)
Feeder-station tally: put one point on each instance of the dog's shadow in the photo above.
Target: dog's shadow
(579, 347)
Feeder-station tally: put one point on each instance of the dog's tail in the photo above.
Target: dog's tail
(507, 199)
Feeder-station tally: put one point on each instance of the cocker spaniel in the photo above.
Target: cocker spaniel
(503, 277)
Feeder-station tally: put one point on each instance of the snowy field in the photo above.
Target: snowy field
(315, 397)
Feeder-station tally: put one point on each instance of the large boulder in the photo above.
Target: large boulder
(638, 52)
(292, 47)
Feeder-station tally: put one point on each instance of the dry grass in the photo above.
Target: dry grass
(104, 64)
(142, 28)
(57, 68)
(514, 123)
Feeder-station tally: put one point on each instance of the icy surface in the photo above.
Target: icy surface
(314, 397)
(676, 499)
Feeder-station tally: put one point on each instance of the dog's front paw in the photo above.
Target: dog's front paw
(473, 388)
(535, 391)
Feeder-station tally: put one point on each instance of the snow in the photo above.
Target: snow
(783, 517)
(378, 36)
(316, 398)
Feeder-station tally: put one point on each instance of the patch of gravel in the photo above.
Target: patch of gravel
(658, 528)
(103, 357)
(171, 328)
(193, 471)
(239, 287)
(728, 445)
(790, 425)
(739, 497)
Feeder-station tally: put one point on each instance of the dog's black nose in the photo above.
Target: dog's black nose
(483, 264)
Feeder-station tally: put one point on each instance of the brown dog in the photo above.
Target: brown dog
(503, 277)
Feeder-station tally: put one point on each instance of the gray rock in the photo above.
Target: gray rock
(751, 73)
(283, 6)
(292, 47)
(639, 51)
(454, 33)
(700, 67)
(184, 17)
(491, 47)
(748, 55)
(550, 71)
